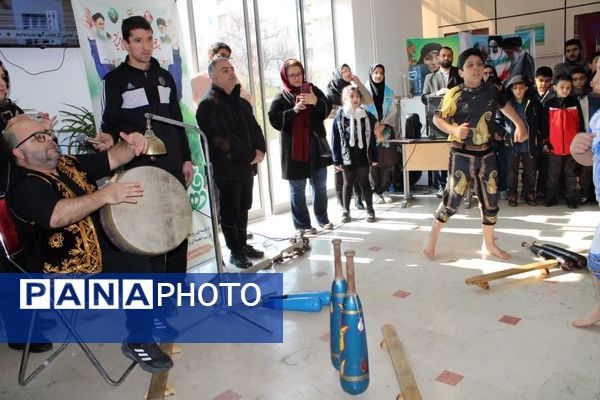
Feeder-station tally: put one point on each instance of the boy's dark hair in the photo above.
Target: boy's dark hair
(544, 71)
(97, 16)
(214, 48)
(562, 77)
(578, 70)
(161, 21)
(466, 54)
(135, 22)
(571, 42)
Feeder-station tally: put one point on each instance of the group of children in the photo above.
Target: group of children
(555, 109)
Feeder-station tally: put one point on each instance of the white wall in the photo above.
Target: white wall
(378, 33)
(46, 91)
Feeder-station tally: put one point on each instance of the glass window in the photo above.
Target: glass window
(223, 20)
(320, 54)
(279, 41)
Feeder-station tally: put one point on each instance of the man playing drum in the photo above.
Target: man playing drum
(55, 203)
(138, 86)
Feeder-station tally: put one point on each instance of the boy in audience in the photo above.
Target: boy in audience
(565, 120)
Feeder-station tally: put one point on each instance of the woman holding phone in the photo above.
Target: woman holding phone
(298, 112)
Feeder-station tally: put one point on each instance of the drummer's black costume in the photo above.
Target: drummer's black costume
(129, 93)
(81, 247)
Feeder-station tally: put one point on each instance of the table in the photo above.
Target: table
(421, 155)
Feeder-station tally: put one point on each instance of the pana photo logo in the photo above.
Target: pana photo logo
(136, 294)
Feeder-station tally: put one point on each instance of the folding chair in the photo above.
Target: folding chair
(11, 245)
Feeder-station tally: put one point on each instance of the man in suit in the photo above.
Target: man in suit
(437, 84)
(446, 77)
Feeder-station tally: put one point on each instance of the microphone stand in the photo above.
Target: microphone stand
(209, 177)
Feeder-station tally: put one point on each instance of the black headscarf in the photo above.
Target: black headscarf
(377, 89)
(428, 48)
(336, 85)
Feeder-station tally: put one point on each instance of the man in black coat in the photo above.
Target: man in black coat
(236, 145)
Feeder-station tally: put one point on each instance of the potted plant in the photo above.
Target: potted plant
(78, 123)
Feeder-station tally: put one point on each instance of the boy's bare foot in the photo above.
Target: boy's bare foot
(431, 241)
(589, 320)
(489, 244)
(495, 251)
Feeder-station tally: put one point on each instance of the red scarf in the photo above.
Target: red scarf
(301, 124)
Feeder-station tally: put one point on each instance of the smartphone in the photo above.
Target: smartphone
(305, 88)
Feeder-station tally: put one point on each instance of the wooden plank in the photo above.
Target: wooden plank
(159, 388)
(482, 280)
(391, 342)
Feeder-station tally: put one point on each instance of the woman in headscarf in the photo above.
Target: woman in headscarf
(429, 56)
(384, 109)
(298, 112)
(342, 77)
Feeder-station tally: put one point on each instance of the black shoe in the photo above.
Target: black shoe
(346, 217)
(249, 235)
(549, 202)
(239, 260)
(572, 204)
(163, 330)
(251, 252)
(371, 216)
(358, 203)
(34, 347)
(149, 356)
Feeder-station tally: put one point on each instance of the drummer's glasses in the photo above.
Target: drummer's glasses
(40, 136)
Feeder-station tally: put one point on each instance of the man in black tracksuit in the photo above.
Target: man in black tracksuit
(138, 86)
(236, 145)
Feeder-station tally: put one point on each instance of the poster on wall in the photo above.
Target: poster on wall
(423, 58)
(511, 54)
(101, 44)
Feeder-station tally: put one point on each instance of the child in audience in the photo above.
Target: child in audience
(524, 153)
(354, 148)
(565, 120)
(384, 110)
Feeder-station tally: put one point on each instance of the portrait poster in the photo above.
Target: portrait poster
(423, 58)
(510, 54)
(102, 50)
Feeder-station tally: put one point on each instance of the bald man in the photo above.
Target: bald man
(55, 203)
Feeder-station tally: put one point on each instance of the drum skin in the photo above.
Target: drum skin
(159, 221)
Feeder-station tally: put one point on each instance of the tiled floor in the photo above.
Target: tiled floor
(513, 341)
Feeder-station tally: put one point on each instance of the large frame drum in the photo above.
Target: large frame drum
(159, 221)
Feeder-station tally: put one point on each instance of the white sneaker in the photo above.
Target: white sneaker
(386, 197)
(309, 231)
(377, 199)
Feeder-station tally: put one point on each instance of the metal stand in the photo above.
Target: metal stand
(209, 177)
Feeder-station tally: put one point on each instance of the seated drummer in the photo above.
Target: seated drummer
(55, 201)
